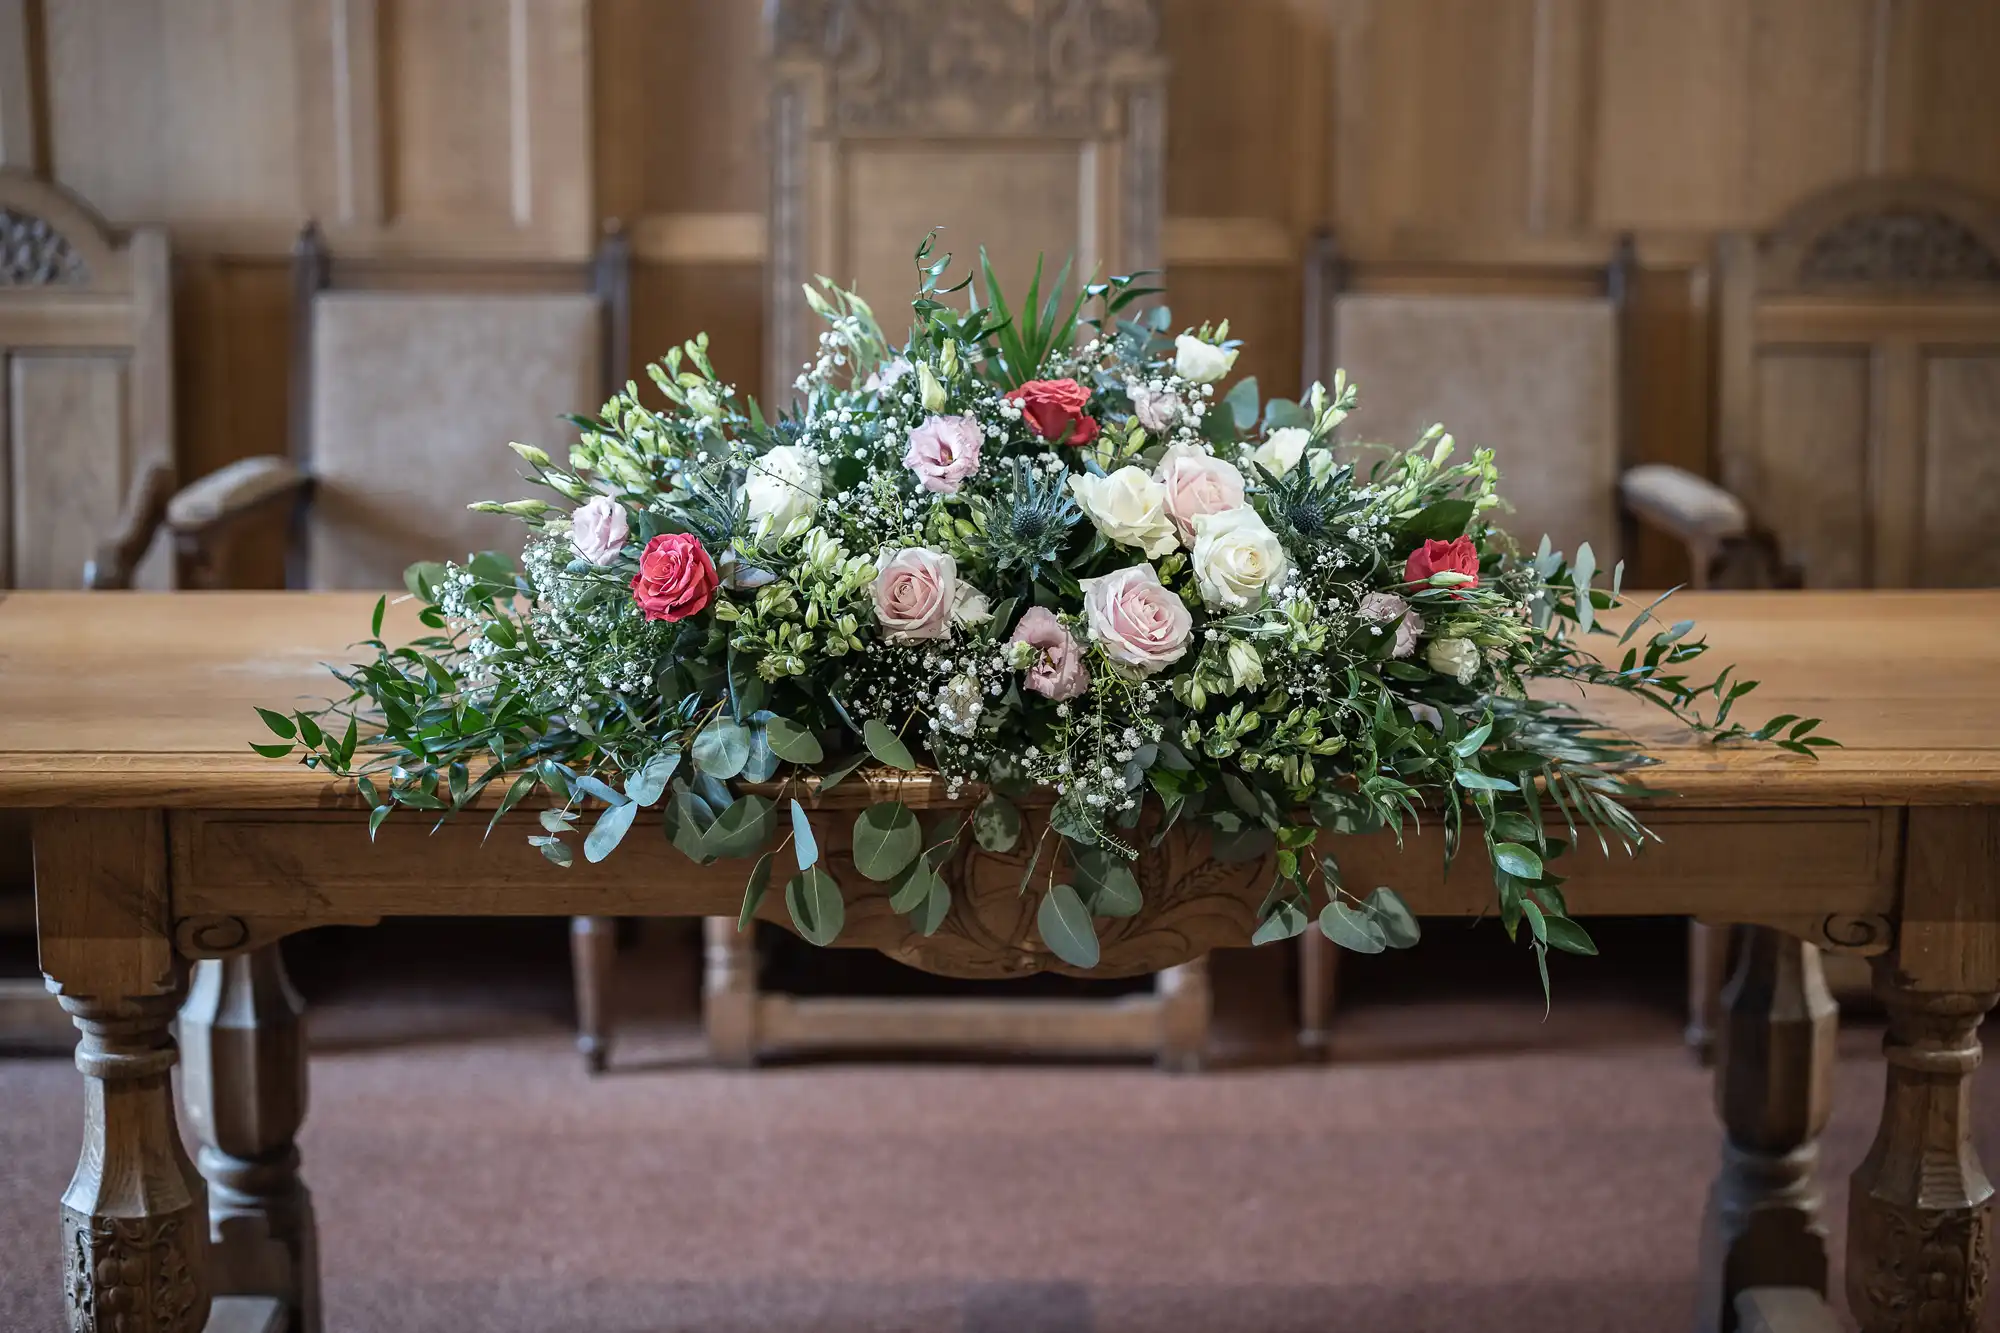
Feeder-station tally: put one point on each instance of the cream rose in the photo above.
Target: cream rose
(1128, 507)
(782, 491)
(1236, 557)
(915, 590)
(1281, 450)
(1200, 362)
(1197, 483)
(1136, 619)
(1458, 658)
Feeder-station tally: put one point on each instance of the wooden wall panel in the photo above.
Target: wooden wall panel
(1961, 469)
(1953, 97)
(1810, 479)
(60, 410)
(183, 112)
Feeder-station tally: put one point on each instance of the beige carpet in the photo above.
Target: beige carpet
(1470, 1168)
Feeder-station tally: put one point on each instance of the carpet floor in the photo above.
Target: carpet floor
(1462, 1165)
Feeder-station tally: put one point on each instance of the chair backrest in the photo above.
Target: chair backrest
(1523, 361)
(1035, 128)
(85, 328)
(1859, 383)
(409, 383)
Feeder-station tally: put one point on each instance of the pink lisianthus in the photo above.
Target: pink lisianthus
(915, 589)
(599, 530)
(1057, 671)
(1137, 620)
(943, 452)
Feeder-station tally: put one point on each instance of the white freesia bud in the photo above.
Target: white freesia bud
(1281, 450)
(1236, 557)
(948, 356)
(1246, 668)
(1128, 507)
(534, 457)
(702, 400)
(928, 389)
(1445, 445)
(1199, 362)
(1458, 658)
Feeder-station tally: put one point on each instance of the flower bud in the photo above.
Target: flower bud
(929, 389)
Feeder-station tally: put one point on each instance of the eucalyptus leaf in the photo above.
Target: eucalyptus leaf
(741, 829)
(930, 914)
(762, 764)
(722, 748)
(1285, 921)
(753, 890)
(817, 909)
(650, 782)
(886, 745)
(996, 824)
(609, 831)
(1352, 929)
(793, 743)
(1246, 845)
(913, 888)
(887, 837)
(1065, 926)
(805, 847)
(1388, 910)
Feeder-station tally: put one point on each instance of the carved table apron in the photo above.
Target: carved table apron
(165, 853)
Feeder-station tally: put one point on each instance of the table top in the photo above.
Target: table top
(145, 699)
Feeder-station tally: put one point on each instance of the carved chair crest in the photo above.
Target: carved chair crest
(1897, 234)
(50, 238)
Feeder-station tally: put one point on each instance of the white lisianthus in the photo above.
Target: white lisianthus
(1199, 362)
(1128, 507)
(1458, 658)
(969, 606)
(1246, 668)
(782, 492)
(1236, 557)
(1281, 450)
(929, 390)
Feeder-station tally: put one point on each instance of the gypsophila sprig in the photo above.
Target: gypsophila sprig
(1040, 551)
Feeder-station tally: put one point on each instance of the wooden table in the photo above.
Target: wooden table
(161, 840)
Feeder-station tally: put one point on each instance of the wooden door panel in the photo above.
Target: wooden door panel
(1961, 455)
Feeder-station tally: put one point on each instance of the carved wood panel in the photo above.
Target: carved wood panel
(1961, 482)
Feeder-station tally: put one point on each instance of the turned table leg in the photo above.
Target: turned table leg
(1318, 972)
(729, 991)
(1920, 1209)
(1186, 1004)
(243, 1082)
(592, 951)
(135, 1215)
(1775, 1058)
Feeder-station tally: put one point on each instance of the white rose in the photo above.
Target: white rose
(1128, 507)
(1236, 557)
(781, 492)
(1200, 362)
(1281, 450)
(1458, 658)
(969, 606)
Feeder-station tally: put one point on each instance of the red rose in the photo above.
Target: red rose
(676, 577)
(1456, 556)
(1053, 406)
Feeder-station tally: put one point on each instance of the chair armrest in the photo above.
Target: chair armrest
(232, 491)
(121, 549)
(1689, 507)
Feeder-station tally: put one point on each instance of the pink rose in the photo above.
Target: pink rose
(1157, 409)
(1137, 619)
(1057, 671)
(599, 529)
(914, 592)
(943, 452)
(1053, 409)
(1197, 483)
(676, 578)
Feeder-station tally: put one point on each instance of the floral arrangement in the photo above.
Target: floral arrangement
(1038, 552)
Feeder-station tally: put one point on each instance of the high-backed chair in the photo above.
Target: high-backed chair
(1531, 363)
(407, 380)
(1037, 129)
(1858, 388)
(86, 439)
